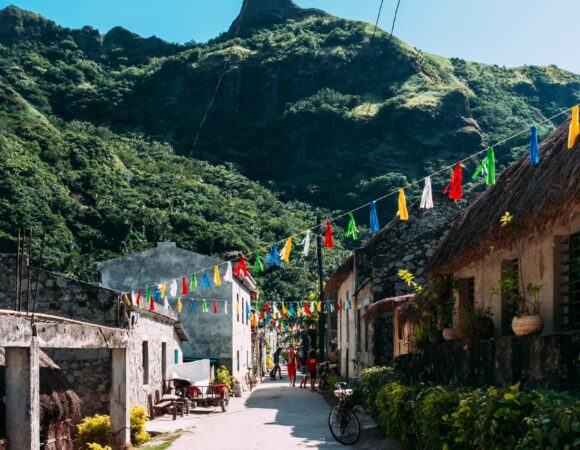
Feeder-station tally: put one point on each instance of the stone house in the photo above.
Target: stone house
(541, 243)
(371, 333)
(153, 339)
(225, 337)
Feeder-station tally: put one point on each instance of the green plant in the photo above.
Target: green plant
(223, 376)
(139, 417)
(371, 382)
(98, 447)
(395, 405)
(419, 336)
(476, 324)
(525, 301)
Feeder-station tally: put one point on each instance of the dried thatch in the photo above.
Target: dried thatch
(538, 197)
(385, 305)
(59, 404)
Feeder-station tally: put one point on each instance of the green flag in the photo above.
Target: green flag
(487, 166)
(351, 230)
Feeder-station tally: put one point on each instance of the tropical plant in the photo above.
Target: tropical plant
(476, 324)
(223, 376)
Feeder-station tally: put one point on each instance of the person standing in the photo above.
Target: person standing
(303, 372)
(311, 366)
(276, 359)
(292, 357)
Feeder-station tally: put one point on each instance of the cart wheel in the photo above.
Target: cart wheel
(225, 401)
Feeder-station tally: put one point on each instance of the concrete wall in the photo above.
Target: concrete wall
(364, 354)
(539, 264)
(241, 332)
(539, 361)
(347, 332)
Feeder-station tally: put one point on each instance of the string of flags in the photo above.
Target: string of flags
(275, 257)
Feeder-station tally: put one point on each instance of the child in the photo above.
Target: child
(303, 372)
(312, 366)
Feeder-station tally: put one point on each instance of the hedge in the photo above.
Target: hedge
(427, 417)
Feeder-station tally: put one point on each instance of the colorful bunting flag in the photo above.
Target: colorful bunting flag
(163, 288)
(216, 276)
(374, 218)
(306, 244)
(184, 290)
(534, 146)
(173, 288)
(258, 266)
(285, 252)
(455, 186)
(157, 295)
(574, 129)
(204, 306)
(205, 281)
(267, 308)
(487, 166)
(226, 308)
(148, 295)
(248, 309)
(427, 196)
(126, 299)
(228, 276)
(165, 303)
(273, 259)
(351, 231)
(284, 310)
(193, 283)
(328, 242)
(179, 305)
(214, 307)
(192, 306)
(241, 271)
(318, 306)
(402, 213)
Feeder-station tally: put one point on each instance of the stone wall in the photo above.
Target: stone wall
(89, 372)
(540, 361)
(60, 295)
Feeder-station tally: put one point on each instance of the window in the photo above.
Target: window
(466, 294)
(509, 269)
(570, 291)
(176, 356)
(163, 360)
(145, 353)
(238, 307)
(238, 359)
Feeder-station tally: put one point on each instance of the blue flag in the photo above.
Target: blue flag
(192, 306)
(205, 280)
(248, 310)
(534, 146)
(374, 218)
(273, 259)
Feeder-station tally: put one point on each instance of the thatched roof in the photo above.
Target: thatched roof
(539, 197)
(338, 276)
(57, 399)
(385, 305)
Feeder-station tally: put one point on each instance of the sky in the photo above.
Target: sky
(503, 32)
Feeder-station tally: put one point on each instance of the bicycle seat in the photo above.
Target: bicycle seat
(343, 392)
(341, 385)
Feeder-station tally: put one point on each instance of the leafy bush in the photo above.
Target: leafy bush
(93, 432)
(371, 382)
(223, 376)
(395, 405)
(475, 325)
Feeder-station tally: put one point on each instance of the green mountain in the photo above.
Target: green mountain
(311, 112)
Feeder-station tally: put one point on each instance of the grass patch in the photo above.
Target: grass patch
(162, 441)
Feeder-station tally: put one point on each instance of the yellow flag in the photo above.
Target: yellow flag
(318, 306)
(284, 312)
(298, 312)
(285, 253)
(403, 213)
(163, 289)
(126, 299)
(179, 305)
(574, 127)
(216, 276)
(353, 303)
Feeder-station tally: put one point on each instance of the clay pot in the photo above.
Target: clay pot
(435, 337)
(527, 325)
(450, 334)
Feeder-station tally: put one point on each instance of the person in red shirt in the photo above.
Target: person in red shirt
(291, 357)
(312, 366)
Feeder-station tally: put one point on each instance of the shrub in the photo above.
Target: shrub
(395, 403)
(93, 432)
(371, 382)
(477, 324)
(223, 376)
(269, 362)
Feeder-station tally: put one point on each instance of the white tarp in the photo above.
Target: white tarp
(197, 372)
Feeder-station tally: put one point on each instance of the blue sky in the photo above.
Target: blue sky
(504, 32)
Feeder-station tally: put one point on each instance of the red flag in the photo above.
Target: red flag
(455, 187)
(138, 301)
(267, 308)
(183, 286)
(261, 317)
(338, 305)
(328, 243)
(214, 307)
(307, 309)
(152, 304)
(241, 271)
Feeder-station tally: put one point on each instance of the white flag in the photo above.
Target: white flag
(133, 298)
(306, 244)
(173, 288)
(427, 197)
(166, 302)
(226, 308)
(229, 273)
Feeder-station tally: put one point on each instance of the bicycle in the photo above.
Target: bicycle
(343, 421)
(249, 380)
(322, 385)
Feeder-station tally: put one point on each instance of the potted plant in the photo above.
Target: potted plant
(525, 298)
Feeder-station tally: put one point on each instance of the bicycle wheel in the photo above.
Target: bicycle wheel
(344, 425)
(247, 382)
(322, 386)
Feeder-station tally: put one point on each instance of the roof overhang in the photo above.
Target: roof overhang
(385, 305)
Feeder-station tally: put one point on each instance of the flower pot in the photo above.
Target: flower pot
(450, 334)
(435, 337)
(527, 325)
(237, 390)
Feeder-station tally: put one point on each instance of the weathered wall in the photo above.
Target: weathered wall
(241, 332)
(347, 333)
(539, 265)
(364, 356)
(60, 295)
(540, 361)
(89, 372)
